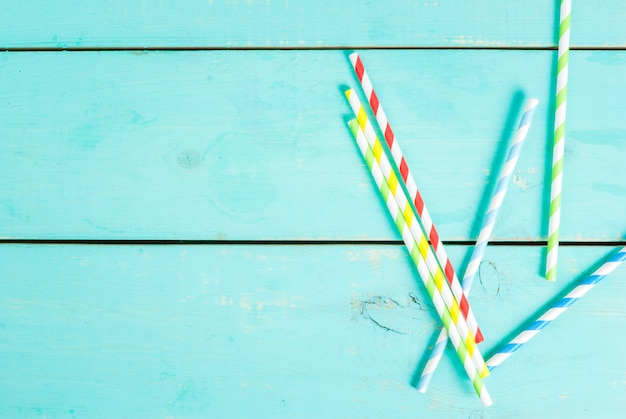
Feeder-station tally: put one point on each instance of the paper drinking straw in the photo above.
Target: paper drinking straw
(414, 195)
(431, 262)
(559, 142)
(431, 259)
(485, 233)
(433, 288)
(556, 310)
(498, 194)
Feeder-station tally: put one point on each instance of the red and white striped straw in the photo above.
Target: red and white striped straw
(411, 186)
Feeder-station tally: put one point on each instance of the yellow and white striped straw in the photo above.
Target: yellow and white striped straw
(433, 287)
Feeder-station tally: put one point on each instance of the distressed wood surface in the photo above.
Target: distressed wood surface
(284, 24)
(238, 141)
(193, 145)
(290, 331)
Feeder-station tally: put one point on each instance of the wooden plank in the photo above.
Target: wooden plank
(294, 331)
(253, 145)
(201, 23)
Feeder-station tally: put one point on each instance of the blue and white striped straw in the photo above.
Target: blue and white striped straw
(556, 310)
(498, 196)
(485, 234)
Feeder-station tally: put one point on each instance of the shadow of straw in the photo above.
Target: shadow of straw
(504, 141)
(342, 91)
(508, 132)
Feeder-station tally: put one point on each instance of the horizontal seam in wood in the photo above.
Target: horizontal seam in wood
(311, 48)
(525, 243)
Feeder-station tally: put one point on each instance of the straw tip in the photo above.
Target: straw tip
(354, 126)
(532, 102)
(348, 93)
(479, 336)
(353, 57)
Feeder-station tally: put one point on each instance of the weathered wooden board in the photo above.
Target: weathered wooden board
(290, 331)
(327, 23)
(253, 145)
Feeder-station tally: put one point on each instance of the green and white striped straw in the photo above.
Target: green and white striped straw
(559, 142)
(433, 287)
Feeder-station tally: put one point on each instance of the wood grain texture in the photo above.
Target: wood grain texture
(246, 144)
(253, 23)
(289, 331)
(195, 145)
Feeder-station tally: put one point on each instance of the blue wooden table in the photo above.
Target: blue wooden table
(188, 230)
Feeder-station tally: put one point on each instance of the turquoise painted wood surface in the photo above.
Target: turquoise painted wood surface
(285, 24)
(289, 331)
(223, 137)
(191, 145)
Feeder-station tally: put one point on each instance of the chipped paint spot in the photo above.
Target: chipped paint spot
(520, 181)
(364, 187)
(384, 384)
(373, 256)
(353, 255)
(571, 265)
(227, 301)
(244, 303)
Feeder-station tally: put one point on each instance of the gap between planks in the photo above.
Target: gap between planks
(311, 48)
(525, 243)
